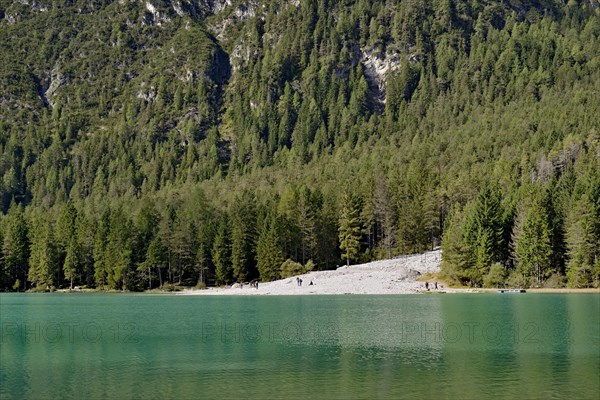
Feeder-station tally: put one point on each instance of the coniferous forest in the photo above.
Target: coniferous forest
(194, 142)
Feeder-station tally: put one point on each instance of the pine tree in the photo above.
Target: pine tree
(480, 243)
(534, 247)
(184, 241)
(415, 211)
(43, 260)
(15, 248)
(327, 242)
(489, 224)
(483, 234)
(458, 257)
(146, 227)
(221, 255)
(65, 226)
(583, 269)
(385, 215)
(72, 262)
(156, 258)
(201, 264)
(290, 234)
(308, 206)
(118, 251)
(269, 253)
(167, 237)
(85, 242)
(350, 227)
(556, 223)
(243, 237)
(100, 242)
(67, 242)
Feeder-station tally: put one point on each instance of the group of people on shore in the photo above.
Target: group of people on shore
(434, 284)
(253, 284)
(299, 282)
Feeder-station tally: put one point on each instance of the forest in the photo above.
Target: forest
(163, 144)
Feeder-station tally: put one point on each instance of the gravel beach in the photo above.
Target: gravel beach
(394, 276)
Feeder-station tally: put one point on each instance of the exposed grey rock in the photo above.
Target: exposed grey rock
(376, 66)
(154, 16)
(56, 81)
(146, 94)
(34, 4)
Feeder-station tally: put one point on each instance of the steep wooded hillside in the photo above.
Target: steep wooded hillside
(153, 142)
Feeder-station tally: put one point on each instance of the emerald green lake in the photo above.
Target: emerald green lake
(89, 346)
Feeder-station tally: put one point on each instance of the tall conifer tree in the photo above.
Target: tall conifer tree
(350, 227)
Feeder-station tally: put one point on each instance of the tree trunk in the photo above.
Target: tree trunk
(179, 273)
(201, 276)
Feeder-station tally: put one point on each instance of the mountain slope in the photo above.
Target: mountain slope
(261, 122)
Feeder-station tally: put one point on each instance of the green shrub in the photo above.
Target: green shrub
(291, 268)
(496, 277)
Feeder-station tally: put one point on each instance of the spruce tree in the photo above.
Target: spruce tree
(308, 207)
(184, 242)
(350, 227)
(489, 222)
(118, 252)
(15, 248)
(551, 203)
(385, 215)
(269, 253)
(85, 242)
(454, 251)
(484, 235)
(201, 264)
(534, 246)
(583, 269)
(43, 260)
(156, 258)
(72, 261)
(67, 242)
(100, 242)
(221, 255)
(243, 237)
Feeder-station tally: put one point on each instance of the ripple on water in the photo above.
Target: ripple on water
(335, 347)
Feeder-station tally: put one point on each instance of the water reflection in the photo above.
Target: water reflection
(309, 347)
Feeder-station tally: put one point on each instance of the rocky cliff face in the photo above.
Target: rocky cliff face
(376, 66)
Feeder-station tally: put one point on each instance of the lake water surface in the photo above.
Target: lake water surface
(89, 346)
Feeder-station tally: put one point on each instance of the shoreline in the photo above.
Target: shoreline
(395, 276)
(535, 290)
(450, 291)
(402, 275)
(225, 291)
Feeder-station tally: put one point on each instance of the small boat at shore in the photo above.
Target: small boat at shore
(512, 291)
